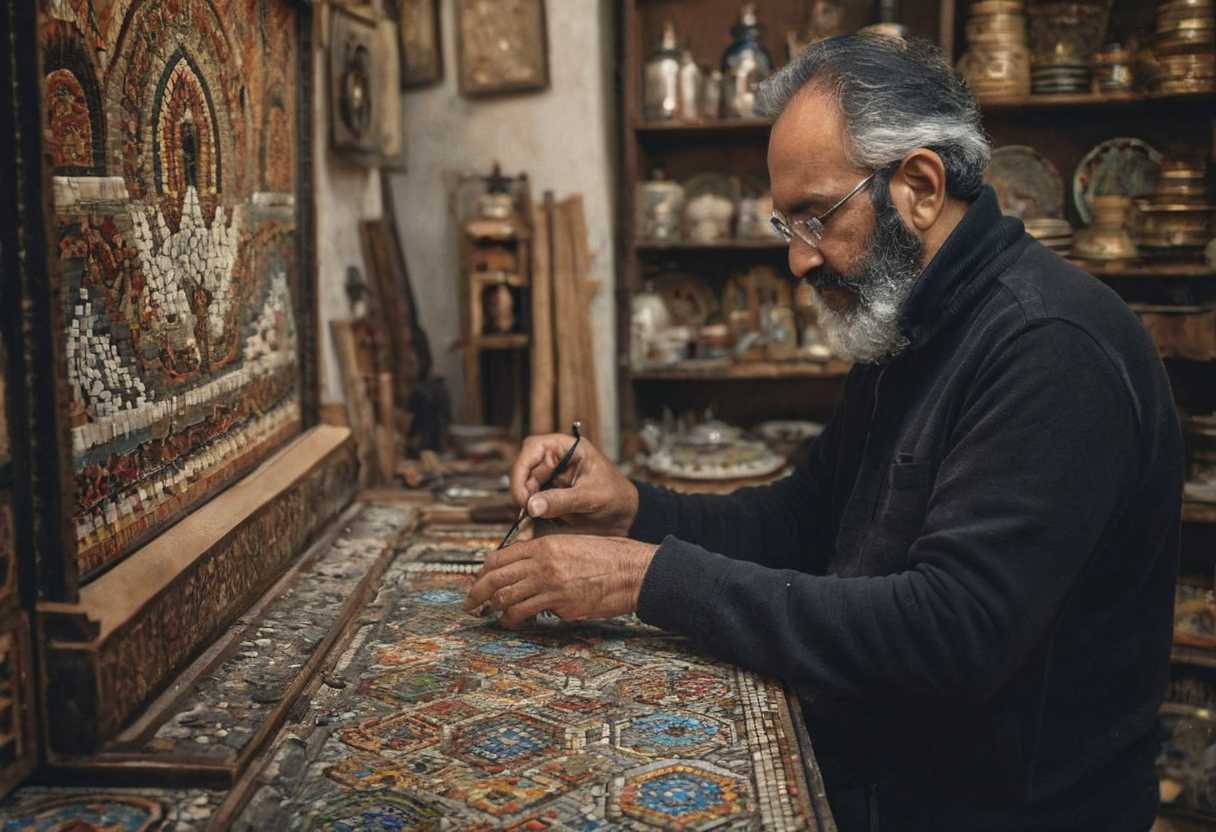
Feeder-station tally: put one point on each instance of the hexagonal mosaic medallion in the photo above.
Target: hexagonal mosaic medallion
(683, 795)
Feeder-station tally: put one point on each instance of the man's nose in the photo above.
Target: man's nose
(803, 258)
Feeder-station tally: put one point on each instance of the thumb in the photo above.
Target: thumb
(558, 502)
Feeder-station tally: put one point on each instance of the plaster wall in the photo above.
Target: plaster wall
(345, 194)
(560, 137)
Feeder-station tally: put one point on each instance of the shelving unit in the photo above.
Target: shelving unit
(748, 391)
(1062, 127)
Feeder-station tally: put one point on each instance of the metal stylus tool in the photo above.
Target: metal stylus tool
(562, 464)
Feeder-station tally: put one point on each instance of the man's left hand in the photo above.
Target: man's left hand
(576, 576)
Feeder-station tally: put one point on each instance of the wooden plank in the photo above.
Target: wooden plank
(540, 408)
(564, 309)
(386, 438)
(358, 405)
(585, 291)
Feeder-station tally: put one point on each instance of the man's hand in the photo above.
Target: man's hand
(576, 576)
(591, 495)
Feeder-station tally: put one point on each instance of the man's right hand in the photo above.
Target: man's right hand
(591, 496)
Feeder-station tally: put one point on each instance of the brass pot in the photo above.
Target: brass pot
(1107, 239)
(1067, 32)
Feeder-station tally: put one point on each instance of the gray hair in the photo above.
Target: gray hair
(895, 96)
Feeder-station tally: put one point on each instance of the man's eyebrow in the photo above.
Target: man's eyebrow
(810, 203)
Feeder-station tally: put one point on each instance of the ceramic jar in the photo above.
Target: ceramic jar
(660, 208)
(648, 317)
(660, 78)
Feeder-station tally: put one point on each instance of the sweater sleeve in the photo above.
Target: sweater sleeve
(1035, 473)
(783, 524)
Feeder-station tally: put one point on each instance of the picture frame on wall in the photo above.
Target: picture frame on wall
(419, 41)
(503, 47)
(355, 75)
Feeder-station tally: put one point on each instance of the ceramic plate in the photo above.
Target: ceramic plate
(1026, 182)
(739, 461)
(1118, 166)
(788, 431)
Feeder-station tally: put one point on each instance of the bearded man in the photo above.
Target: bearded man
(970, 583)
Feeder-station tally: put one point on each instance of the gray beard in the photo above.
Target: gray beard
(869, 331)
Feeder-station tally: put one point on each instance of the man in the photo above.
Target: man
(970, 584)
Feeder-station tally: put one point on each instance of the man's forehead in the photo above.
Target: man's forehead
(806, 151)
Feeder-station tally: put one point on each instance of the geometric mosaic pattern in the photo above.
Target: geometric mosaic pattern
(173, 148)
(454, 722)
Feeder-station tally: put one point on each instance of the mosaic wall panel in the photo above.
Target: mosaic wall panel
(446, 721)
(173, 142)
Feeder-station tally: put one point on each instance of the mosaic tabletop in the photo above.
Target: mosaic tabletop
(449, 721)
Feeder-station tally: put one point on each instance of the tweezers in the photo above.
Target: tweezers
(562, 465)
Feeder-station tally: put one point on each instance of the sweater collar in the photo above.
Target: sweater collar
(979, 248)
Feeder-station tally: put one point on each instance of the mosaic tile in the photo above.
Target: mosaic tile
(503, 741)
(42, 809)
(538, 731)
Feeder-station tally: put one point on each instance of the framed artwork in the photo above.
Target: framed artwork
(355, 74)
(419, 41)
(503, 46)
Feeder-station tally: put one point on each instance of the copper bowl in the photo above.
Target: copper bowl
(1186, 42)
(1188, 67)
(994, 7)
(1155, 219)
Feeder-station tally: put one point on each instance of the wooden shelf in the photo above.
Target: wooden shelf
(1194, 656)
(742, 370)
(510, 341)
(1146, 269)
(1196, 511)
(742, 127)
(656, 246)
(1090, 100)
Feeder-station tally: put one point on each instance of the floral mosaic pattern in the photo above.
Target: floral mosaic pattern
(455, 721)
(174, 152)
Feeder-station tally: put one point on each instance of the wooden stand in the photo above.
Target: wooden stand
(496, 253)
(142, 621)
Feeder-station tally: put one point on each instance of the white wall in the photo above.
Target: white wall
(345, 193)
(562, 138)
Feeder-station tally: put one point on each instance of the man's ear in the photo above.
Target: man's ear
(918, 188)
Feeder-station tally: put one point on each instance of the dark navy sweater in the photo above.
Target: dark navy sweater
(970, 585)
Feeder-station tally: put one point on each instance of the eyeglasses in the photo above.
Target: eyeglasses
(810, 231)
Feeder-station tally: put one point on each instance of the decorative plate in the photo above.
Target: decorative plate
(787, 431)
(689, 300)
(1118, 166)
(742, 460)
(1027, 184)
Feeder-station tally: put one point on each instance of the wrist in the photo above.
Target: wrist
(640, 566)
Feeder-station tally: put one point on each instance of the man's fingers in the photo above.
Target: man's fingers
(493, 580)
(559, 502)
(506, 597)
(537, 457)
(520, 550)
(517, 614)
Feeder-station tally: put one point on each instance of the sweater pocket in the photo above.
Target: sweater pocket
(908, 495)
